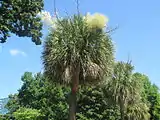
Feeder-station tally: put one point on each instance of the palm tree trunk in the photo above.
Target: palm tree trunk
(74, 89)
(72, 106)
(122, 110)
(122, 114)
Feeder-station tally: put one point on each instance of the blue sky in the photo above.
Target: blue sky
(138, 36)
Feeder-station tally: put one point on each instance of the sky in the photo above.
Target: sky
(136, 38)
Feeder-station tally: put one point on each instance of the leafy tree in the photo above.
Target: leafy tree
(27, 114)
(6, 117)
(13, 103)
(154, 99)
(137, 108)
(93, 105)
(31, 90)
(19, 17)
(77, 52)
(37, 94)
(151, 96)
(52, 100)
(92, 100)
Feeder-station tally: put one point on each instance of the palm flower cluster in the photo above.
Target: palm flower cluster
(96, 20)
(47, 19)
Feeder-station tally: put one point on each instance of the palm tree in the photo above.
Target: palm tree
(137, 108)
(120, 87)
(138, 111)
(78, 51)
(125, 89)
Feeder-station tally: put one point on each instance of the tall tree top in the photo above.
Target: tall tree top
(19, 17)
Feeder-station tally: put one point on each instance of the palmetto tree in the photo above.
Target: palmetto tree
(121, 86)
(125, 89)
(78, 51)
(137, 108)
(138, 111)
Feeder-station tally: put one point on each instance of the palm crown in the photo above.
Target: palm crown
(78, 43)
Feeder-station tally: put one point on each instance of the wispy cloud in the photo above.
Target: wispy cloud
(15, 52)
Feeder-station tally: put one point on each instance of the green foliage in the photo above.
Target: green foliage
(73, 43)
(36, 93)
(31, 90)
(52, 100)
(138, 111)
(120, 86)
(126, 90)
(154, 99)
(150, 96)
(92, 105)
(13, 103)
(6, 117)
(27, 114)
(19, 17)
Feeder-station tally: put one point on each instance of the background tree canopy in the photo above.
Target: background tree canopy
(94, 103)
(19, 17)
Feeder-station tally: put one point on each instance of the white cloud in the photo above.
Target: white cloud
(15, 52)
